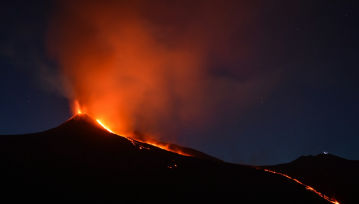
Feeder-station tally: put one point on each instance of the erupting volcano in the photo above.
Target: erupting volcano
(83, 160)
(168, 147)
(180, 150)
(143, 84)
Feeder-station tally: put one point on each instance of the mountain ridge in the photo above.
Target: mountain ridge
(79, 160)
(333, 175)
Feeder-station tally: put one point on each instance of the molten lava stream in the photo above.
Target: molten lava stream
(309, 188)
(79, 110)
(104, 126)
(153, 143)
(167, 147)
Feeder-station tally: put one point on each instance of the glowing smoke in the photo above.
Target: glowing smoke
(153, 67)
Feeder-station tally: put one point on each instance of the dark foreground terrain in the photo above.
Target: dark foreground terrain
(79, 160)
(330, 174)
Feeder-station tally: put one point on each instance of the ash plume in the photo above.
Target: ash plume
(156, 67)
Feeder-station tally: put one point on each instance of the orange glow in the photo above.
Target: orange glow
(309, 188)
(104, 126)
(77, 107)
(143, 67)
(157, 144)
(167, 147)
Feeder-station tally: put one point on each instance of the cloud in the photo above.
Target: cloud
(157, 67)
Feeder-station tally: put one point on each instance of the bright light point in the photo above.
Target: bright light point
(325, 152)
(104, 126)
(77, 107)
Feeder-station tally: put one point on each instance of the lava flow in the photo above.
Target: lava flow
(331, 200)
(160, 145)
(167, 147)
(104, 126)
(79, 111)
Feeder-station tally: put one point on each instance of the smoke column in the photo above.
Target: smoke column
(154, 68)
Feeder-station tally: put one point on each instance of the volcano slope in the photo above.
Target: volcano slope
(332, 175)
(79, 160)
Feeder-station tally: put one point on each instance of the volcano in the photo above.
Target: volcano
(80, 160)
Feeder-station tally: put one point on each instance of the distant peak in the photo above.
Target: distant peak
(324, 156)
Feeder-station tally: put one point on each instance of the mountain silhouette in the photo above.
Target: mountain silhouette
(80, 160)
(335, 176)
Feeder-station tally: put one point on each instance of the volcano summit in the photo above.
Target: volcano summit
(80, 160)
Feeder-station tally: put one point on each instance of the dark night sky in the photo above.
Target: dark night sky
(313, 108)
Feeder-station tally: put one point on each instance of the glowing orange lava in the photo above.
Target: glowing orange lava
(167, 147)
(160, 145)
(309, 188)
(104, 126)
(77, 109)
